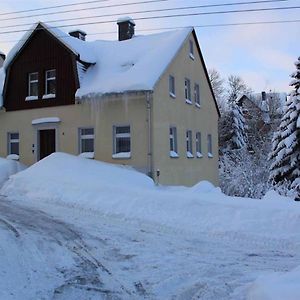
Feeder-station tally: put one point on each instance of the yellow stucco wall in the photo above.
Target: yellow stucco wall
(176, 112)
(102, 116)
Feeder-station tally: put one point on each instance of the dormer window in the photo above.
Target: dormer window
(192, 50)
(33, 86)
(50, 86)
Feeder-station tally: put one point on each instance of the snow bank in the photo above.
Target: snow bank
(121, 191)
(9, 167)
(276, 286)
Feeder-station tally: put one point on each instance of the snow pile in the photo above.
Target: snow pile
(120, 191)
(9, 167)
(276, 286)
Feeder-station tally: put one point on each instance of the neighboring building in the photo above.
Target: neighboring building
(144, 101)
(2, 58)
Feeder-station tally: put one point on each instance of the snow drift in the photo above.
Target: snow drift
(120, 191)
(9, 167)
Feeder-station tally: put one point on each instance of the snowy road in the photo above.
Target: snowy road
(51, 252)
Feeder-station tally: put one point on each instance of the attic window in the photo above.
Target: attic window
(33, 85)
(192, 50)
(50, 82)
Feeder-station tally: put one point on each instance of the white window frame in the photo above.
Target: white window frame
(187, 91)
(198, 145)
(173, 142)
(86, 137)
(121, 155)
(47, 94)
(11, 141)
(30, 81)
(172, 87)
(197, 94)
(209, 146)
(189, 144)
(191, 49)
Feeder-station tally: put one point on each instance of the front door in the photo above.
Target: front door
(46, 142)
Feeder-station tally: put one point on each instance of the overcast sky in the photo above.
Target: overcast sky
(262, 54)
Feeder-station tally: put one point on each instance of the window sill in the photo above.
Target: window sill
(198, 105)
(122, 155)
(174, 154)
(31, 98)
(189, 155)
(188, 101)
(192, 56)
(172, 95)
(210, 155)
(89, 155)
(199, 155)
(49, 96)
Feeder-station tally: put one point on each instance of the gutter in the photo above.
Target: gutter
(149, 102)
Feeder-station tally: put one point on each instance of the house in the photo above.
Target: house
(2, 58)
(144, 101)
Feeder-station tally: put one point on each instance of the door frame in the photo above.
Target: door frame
(39, 128)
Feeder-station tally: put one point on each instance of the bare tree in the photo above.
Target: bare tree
(217, 83)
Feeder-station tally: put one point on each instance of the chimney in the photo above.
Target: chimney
(126, 28)
(263, 96)
(79, 34)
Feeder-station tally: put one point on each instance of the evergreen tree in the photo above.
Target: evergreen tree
(285, 153)
(238, 138)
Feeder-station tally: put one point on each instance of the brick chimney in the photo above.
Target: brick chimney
(126, 28)
(79, 34)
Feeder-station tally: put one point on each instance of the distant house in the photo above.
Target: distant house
(144, 101)
(2, 58)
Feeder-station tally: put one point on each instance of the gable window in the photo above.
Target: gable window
(172, 86)
(13, 143)
(86, 140)
(209, 146)
(33, 86)
(189, 144)
(187, 91)
(198, 145)
(197, 94)
(192, 50)
(50, 84)
(122, 142)
(173, 142)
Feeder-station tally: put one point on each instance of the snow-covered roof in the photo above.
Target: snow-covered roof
(116, 66)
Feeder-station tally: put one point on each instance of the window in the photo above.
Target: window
(33, 86)
(198, 144)
(187, 91)
(209, 146)
(50, 84)
(192, 50)
(197, 94)
(173, 142)
(13, 143)
(189, 144)
(86, 140)
(172, 86)
(122, 142)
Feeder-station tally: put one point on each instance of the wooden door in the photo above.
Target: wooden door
(46, 142)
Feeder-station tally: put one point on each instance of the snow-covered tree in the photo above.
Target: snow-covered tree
(239, 138)
(285, 154)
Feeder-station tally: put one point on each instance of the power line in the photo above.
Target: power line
(169, 16)
(51, 7)
(89, 8)
(153, 10)
(180, 27)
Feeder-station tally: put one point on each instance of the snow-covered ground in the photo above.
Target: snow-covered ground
(76, 228)
(9, 167)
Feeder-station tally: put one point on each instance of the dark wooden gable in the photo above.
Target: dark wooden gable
(41, 52)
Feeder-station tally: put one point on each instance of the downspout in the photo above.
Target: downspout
(149, 129)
